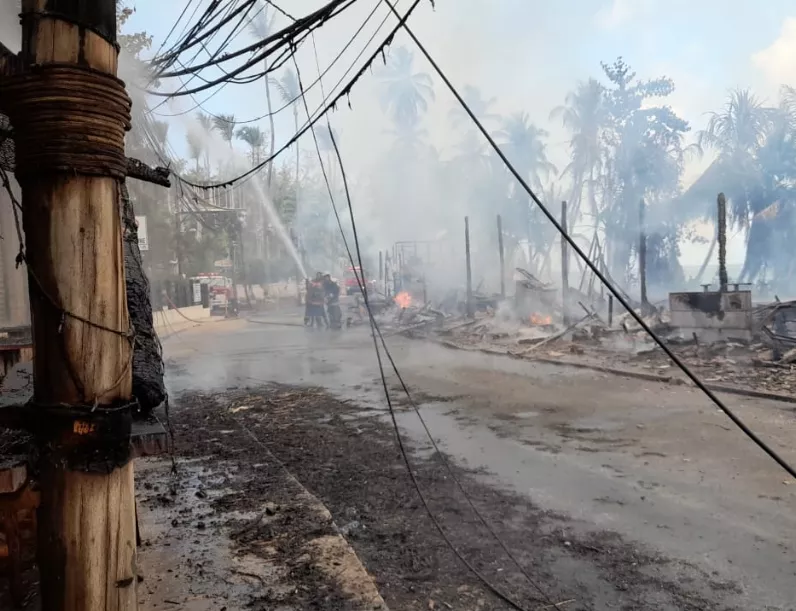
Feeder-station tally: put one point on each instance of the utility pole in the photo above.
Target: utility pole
(564, 265)
(502, 258)
(642, 254)
(721, 203)
(469, 304)
(64, 90)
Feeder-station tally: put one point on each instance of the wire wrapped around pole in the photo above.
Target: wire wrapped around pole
(61, 127)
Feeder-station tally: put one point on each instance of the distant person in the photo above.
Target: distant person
(331, 291)
(315, 298)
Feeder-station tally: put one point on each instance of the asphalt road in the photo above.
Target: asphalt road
(657, 464)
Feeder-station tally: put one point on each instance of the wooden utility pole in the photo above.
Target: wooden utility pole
(470, 311)
(70, 114)
(564, 265)
(642, 253)
(721, 203)
(502, 258)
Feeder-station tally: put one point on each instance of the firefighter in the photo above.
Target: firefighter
(315, 297)
(331, 290)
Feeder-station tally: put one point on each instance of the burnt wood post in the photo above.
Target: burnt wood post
(470, 309)
(642, 253)
(721, 204)
(66, 89)
(502, 258)
(564, 265)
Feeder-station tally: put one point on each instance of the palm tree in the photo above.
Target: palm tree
(480, 107)
(290, 92)
(225, 125)
(405, 94)
(584, 115)
(261, 27)
(524, 145)
(206, 123)
(195, 147)
(255, 138)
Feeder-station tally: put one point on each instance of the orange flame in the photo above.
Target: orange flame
(403, 299)
(538, 319)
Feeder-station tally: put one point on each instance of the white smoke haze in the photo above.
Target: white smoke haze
(523, 56)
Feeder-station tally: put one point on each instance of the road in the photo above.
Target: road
(658, 465)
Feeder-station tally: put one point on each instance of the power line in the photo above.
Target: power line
(375, 330)
(324, 108)
(609, 285)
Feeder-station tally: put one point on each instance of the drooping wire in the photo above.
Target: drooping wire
(290, 103)
(594, 268)
(329, 103)
(376, 332)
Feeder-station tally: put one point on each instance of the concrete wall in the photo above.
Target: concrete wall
(712, 315)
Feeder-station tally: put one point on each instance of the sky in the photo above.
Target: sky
(528, 54)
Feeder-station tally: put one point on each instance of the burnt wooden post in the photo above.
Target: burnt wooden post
(642, 253)
(610, 310)
(65, 88)
(502, 258)
(564, 265)
(470, 310)
(721, 203)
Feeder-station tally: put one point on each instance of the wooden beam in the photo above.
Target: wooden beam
(87, 533)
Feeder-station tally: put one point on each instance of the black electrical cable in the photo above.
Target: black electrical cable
(360, 278)
(324, 108)
(285, 37)
(289, 103)
(609, 285)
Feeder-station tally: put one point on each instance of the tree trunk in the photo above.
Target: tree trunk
(86, 536)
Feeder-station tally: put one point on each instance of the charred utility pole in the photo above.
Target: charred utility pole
(642, 253)
(469, 304)
(564, 265)
(502, 258)
(721, 203)
(70, 114)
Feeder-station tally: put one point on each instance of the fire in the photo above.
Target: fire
(538, 319)
(403, 299)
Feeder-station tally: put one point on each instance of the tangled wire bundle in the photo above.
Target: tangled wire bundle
(65, 130)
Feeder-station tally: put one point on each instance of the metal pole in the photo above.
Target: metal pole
(642, 253)
(722, 238)
(470, 312)
(564, 266)
(502, 258)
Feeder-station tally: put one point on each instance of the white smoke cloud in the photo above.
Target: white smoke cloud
(777, 62)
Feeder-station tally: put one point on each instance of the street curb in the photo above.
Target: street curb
(628, 373)
(353, 577)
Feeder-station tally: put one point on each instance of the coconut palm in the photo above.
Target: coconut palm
(289, 90)
(405, 94)
(255, 138)
(523, 143)
(261, 27)
(195, 147)
(477, 103)
(584, 115)
(225, 125)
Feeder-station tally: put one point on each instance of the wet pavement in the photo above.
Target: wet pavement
(657, 464)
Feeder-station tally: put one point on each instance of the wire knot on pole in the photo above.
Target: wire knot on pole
(61, 128)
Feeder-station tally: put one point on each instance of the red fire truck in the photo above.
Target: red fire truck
(219, 289)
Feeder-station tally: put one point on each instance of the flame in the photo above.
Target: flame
(538, 319)
(403, 299)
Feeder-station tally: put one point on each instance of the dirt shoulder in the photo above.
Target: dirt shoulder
(233, 529)
(347, 456)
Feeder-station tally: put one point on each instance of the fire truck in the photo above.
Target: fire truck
(219, 289)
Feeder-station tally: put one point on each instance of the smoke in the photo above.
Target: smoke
(10, 29)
